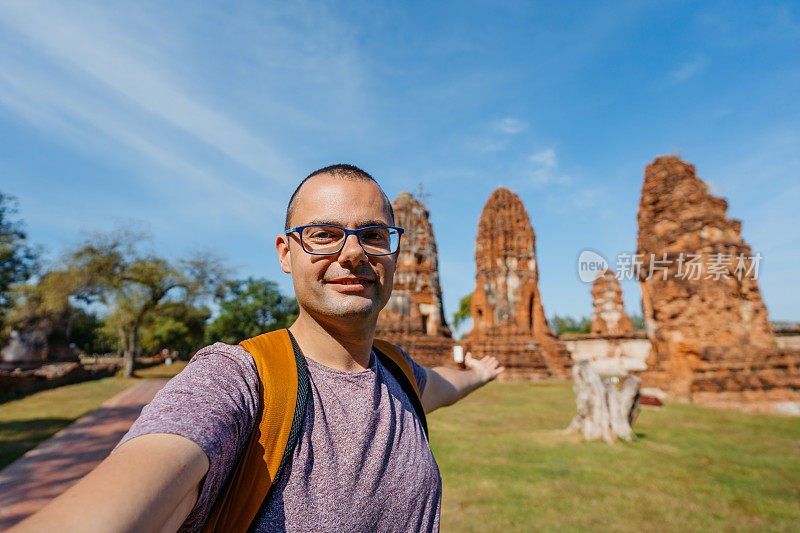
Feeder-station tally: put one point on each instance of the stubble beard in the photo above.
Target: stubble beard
(346, 307)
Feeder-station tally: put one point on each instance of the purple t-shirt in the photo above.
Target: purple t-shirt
(362, 461)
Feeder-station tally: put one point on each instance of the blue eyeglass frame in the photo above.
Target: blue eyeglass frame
(347, 233)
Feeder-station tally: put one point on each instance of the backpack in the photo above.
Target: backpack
(284, 384)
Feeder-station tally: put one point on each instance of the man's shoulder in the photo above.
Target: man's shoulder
(418, 370)
(220, 350)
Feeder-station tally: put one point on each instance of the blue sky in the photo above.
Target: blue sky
(196, 120)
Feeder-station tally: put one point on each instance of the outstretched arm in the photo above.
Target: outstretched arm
(149, 483)
(445, 386)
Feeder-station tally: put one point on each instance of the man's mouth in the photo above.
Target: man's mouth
(350, 281)
(349, 284)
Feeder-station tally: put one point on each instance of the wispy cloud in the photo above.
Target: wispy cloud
(491, 145)
(543, 169)
(92, 45)
(118, 85)
(689, 69)
(510, 125)
(545, 158)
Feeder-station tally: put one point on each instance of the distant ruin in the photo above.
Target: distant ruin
(712, 341)
(609, 318)
(507, 313)
(613, 347)
(414, 317)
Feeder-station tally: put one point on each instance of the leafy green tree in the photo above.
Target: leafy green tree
(18, 260)
(131, 283)
(44, 306)
(567, 324)
(175, 326)
(463, 313)
(638, 322)
(88, 334)
(251, 307)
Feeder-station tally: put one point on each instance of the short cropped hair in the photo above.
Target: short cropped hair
(343, 171)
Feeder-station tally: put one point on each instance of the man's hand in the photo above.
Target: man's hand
(445, 386)
(486, 368)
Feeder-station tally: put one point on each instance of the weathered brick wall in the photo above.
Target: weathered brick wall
(414, 316)
(709, 327)
(507, 312)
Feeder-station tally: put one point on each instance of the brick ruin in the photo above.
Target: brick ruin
(712, 341)
(612, 346)
(414, 316)
(609, 318)
(507, 313)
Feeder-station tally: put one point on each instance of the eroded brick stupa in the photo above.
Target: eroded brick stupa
(414, 317)
(507, 313)
(609, 318)
(712, 341)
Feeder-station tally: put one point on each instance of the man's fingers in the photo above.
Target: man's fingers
(488, 364)
(490, 361)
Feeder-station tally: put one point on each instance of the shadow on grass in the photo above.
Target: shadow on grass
(19, 436)
(88, 440)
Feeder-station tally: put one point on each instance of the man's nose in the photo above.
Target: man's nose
(352, 252)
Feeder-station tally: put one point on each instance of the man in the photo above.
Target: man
(362, 461)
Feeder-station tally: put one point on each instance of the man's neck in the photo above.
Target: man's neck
(343, 345)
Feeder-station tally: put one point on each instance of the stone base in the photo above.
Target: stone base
(610, 355)
(524, 358)
(747, 379)
(426, 350)
(20, 382)
(775, 401)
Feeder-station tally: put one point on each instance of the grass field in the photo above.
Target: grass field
(27, 421)
(507, 466)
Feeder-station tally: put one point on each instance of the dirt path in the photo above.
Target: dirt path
(46, 471)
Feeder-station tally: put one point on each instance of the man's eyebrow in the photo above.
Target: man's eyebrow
(362, 224)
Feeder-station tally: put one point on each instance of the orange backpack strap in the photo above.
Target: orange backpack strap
(396, 363)
(283, 378)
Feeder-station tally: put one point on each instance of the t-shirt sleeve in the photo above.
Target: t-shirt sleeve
(213, 402)
(419, 372)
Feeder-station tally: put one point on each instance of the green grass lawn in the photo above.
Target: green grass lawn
(27, 421)
(507, 466)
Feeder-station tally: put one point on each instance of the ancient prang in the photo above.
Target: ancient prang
(609, 318)
(712, 341)
(612, 346)
(507, 313)
(414, 317)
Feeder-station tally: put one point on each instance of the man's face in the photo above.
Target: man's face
(351, 284)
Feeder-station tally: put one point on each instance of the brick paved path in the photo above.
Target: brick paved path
(49, 469)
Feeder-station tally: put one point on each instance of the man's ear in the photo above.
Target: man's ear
(284, 255)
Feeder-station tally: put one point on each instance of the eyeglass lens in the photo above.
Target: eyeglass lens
(329, 240)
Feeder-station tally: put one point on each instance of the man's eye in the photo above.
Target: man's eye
(375, 236)
(320, 235)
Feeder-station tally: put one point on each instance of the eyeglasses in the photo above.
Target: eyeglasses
(327, 239)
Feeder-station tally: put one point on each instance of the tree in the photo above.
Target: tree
(88, 334)
(18, 260)
(132, 283)
(463, 313)
(567, 324)
(42, 310)
(638, 322)
(251, 307)
(175, 326)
